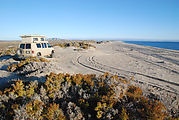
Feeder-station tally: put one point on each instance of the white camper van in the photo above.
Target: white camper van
(34, 45)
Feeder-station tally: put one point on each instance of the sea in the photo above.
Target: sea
(165, 45)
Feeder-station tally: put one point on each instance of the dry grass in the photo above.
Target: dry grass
(5, 44)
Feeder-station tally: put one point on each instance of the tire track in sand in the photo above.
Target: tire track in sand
(91, 63)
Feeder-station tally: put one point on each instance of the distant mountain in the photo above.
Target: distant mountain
(55, 39)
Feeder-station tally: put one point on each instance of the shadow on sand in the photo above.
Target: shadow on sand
(8, 80)
(6, 57)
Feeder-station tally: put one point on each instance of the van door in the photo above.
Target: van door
(27, 49)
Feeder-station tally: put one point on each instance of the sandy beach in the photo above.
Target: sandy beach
(154, 66)
(150, 65)
(154, 70)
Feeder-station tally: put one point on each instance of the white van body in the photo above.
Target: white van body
(34, 45)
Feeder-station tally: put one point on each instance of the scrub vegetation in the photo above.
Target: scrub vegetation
(19, 65)
(83, 45)
(77, 97)
(9, 51)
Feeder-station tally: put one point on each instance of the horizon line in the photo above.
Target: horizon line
(152, 40)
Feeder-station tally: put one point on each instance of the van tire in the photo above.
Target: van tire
(38, 54)
(19, 53)
(52, 55)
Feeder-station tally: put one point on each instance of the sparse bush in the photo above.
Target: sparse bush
(18, 66)
(83, 45)
(9, 51)
(65, 96)
(53, 112)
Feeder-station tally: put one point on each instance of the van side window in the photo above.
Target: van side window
(45, 45)
(49, 46)
(35, 39)
(42, 45)
(22, 46)
(38, 45)
(28, 46)
(42, 39)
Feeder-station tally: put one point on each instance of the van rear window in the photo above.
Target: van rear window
(28, 46)
(35, 39)
(38, 45)
(22, 46)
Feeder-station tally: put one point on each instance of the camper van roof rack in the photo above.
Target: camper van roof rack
(25, 36)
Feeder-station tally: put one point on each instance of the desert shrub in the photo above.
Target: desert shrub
(65, 96)
(144, 107)
(83, 45)
(18, 66)
(34, 109)
(9, 51)
(53, 112)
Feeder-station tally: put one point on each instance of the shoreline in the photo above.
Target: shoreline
(153, 46)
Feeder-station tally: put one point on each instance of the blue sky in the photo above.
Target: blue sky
(91, 19)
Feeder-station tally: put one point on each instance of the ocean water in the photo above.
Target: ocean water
(165, 45)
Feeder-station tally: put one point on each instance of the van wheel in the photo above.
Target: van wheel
(52, 55)
(19, 51)
(38, 54)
